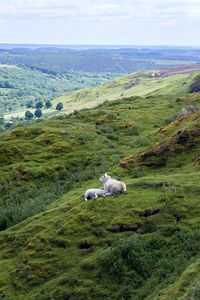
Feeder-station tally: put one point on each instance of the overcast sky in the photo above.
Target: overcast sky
(124, 22)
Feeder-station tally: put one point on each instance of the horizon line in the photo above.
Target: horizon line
(98, 45)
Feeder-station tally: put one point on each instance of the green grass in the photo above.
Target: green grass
(137, 84)
(140, 245)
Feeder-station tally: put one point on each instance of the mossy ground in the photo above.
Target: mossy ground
(141, 245)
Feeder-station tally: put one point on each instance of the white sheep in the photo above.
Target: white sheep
(94, 194)
(112, 186)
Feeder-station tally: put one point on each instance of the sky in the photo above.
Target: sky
(100, 22)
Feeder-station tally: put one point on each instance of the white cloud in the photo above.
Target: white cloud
(130, 17)
(142, 11)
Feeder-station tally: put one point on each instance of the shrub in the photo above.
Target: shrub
(133, 131)
(39, 105)
(28, 115)
(137, 172)
(59, 106)
(182, 113)
(38, 113)
(170, 196)
(112, 136)
(128, 259)
(48, 104)
(154, 261)
(138, 142)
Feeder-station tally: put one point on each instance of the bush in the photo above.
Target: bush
(154, 261)
(59, 106)
(182, 113)
(112, 136)
(28, 115)
(39, 105)
(48, 104)
(38, 113)
(138, 142)
(137, 172)
(128, 259)
(133, 131)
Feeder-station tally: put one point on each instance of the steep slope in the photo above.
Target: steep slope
(149, 83)
(141, 245)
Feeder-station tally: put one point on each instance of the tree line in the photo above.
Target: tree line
(38, 112)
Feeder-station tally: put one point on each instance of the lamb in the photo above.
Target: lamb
(112, 186)
(94, 194)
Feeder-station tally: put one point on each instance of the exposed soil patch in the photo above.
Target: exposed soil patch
(60, 243)
(159, 155)
(85, 245)
(150, 212)
(123, 227)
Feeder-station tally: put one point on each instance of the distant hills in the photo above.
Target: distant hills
(168, 81)
(59, 59)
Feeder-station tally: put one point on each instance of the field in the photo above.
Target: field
(140, 245)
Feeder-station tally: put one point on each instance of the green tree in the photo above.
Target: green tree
(39, 105)
(48, 104)
(59, 106)
(28, 115)
(38, 113)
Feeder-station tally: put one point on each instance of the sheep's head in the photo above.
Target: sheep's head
(104, 178)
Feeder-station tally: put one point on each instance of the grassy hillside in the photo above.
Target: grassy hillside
(149, 83)
(20, 85)
(141, 245)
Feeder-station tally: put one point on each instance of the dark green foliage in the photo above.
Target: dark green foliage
(194, 292)
(39, 104)
(130, 260)
(48, 104)
(28, 202)
(59, 106)
(38, 113)
(133, 261)
(28, 115)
